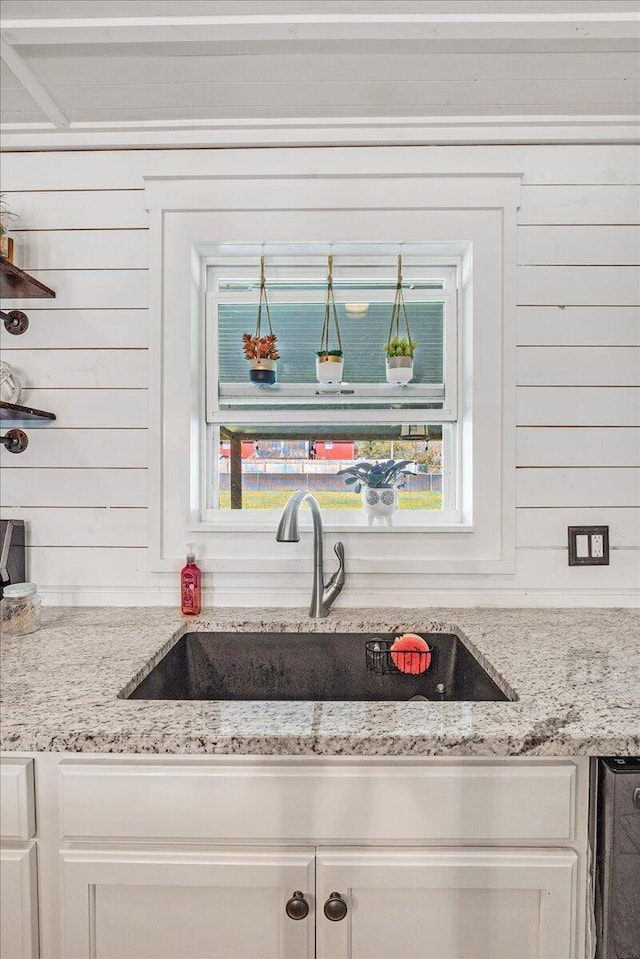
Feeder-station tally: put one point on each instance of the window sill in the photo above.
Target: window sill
(270, 525)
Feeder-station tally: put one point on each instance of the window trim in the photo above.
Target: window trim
(445, 207)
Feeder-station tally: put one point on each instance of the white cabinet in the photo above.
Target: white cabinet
(177, 904)
(18, 902)
(447, 904)
(17, 799)
(399, 904)
(18, 861)
(196, 857)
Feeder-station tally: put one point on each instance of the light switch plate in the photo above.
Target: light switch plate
(588, 545)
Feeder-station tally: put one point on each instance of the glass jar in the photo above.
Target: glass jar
(20, 609)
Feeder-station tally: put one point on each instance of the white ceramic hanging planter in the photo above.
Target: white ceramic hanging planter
(399, 370)
(400, 349)
(329, 368)
(329, 362)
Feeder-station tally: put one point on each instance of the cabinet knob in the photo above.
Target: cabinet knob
(297, 907)
(636, 798)
(335, 908)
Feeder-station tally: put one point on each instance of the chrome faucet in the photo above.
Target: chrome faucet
(322, 597)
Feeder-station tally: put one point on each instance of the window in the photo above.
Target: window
(265, 441)
(251, 202)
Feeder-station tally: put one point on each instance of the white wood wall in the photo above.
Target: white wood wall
(82, 483)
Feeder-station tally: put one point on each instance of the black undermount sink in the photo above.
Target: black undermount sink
(313, 666)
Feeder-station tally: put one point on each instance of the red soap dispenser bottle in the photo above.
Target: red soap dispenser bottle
(190, 584)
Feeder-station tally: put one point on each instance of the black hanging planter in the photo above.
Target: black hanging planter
(263, 372)
(261, 351)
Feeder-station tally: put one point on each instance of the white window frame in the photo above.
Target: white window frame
(241, 265)
(358, 194)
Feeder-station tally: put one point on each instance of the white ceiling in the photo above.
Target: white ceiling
(70, 64)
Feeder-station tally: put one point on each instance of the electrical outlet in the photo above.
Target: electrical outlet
(588, 545)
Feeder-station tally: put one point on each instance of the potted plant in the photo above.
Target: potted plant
(329, 362)
(329, 366)
(399, 349)
(378, 483)
(399, 360)
(6, 242)
(261, 351)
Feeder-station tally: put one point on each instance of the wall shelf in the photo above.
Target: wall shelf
(12, 411)
(16, 284)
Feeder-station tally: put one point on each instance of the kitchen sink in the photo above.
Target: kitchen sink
(313, 666)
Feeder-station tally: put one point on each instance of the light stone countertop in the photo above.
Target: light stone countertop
(576, 673)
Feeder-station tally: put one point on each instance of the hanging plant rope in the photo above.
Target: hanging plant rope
(329, 307)
(263, 299)
(258, 346)
(394, 326)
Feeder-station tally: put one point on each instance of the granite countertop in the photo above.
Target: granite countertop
(576, 673)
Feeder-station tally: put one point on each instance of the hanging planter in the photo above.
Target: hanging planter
(261, 351)
(329, 362)
(400, 349)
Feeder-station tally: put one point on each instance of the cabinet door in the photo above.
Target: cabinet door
(177, 904)
(447, 904)
(18, 902)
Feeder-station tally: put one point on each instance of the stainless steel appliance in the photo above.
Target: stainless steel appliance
(618, 859)
(12, 563)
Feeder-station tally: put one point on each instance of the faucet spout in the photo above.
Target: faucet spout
(322, 597)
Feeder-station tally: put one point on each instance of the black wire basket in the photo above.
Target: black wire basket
(382, 659)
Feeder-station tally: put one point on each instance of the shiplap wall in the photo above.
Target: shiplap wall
(82, 482)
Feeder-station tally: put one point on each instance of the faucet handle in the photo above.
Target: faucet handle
(336, 582)
(333, 588)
